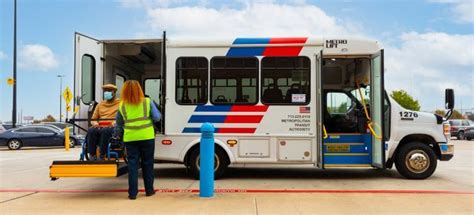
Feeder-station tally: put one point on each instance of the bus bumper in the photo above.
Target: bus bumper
(447, 151)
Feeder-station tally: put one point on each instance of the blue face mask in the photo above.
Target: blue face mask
(108, 95)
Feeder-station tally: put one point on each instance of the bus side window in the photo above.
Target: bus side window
(88, 79)
(234, 80)
(338, 103)
(191, 80)
(285, 80)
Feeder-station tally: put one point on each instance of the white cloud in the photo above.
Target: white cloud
(37, 57)
(463, 9)
(3, 56)
(426, 63)
(253, 19)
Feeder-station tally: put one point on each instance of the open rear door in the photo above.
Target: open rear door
(376, 109)
(88, 73)
(88, 68)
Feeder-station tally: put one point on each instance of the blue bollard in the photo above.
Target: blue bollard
(206, 173)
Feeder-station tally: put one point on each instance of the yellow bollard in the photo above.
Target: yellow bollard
(66, 138)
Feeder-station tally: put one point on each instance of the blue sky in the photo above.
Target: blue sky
(429, 44)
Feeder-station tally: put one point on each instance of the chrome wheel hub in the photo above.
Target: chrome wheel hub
(14, 144)
(417, 161)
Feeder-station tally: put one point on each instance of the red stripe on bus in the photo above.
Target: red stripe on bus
(243, 118)
(288, 40)
(282, 51)
(236, 130)
(253, 108)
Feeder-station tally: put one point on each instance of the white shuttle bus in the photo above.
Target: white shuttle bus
(317, 101)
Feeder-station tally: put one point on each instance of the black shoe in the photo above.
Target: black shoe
(132, 197)
(150, 194)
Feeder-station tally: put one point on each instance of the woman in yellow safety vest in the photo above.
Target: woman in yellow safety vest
(134, 121)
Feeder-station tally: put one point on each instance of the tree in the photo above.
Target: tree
(342, 108)
(49, 118)
(470, 117)
(456, 114)
(405, 100)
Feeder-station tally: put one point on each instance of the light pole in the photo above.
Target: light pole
(14, 67)
(60, 95)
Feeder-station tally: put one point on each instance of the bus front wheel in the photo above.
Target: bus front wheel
(416, 160)
(220, 162)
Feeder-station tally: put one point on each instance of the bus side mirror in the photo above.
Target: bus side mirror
(449, 99)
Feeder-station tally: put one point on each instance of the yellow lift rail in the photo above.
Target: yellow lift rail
(106, 168)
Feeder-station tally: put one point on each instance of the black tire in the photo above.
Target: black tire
(14, 144)
(460, 135)
(221, 161)
(72, 142)
(468, 138)
(423, 162)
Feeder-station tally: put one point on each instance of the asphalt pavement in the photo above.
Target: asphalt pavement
(25, 188)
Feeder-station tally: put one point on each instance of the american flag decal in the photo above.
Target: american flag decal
(305, 109)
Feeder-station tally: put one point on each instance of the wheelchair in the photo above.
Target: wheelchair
(116, 150)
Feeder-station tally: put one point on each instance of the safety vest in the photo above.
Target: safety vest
(137, 121)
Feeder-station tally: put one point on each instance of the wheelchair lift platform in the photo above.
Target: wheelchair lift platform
(71, 169)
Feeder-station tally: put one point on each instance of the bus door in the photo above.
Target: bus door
(320, 134)
(376, 125)
(88, 68)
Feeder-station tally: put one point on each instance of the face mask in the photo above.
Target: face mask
(108, 95)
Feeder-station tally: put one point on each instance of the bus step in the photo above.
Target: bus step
(347, 166)
(105, 168)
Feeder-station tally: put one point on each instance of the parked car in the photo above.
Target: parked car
(7, 126)
(469, 135)
(38, 135)
(61, 125)
(459, 127)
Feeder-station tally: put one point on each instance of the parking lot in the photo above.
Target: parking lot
(25, 188)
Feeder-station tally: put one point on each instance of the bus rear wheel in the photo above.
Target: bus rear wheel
(416, 161)
(220, 162)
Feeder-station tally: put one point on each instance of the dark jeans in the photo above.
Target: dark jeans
(98, 137)
(143, 151)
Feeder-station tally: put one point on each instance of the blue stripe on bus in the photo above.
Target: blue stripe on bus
(191, 130)
(213, 108)
(251, 41)
(245, 51)
(347, 138)
(207, 118)
(347, 159)
(248, 51)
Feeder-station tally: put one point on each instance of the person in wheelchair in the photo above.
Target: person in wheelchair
(103, 123)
